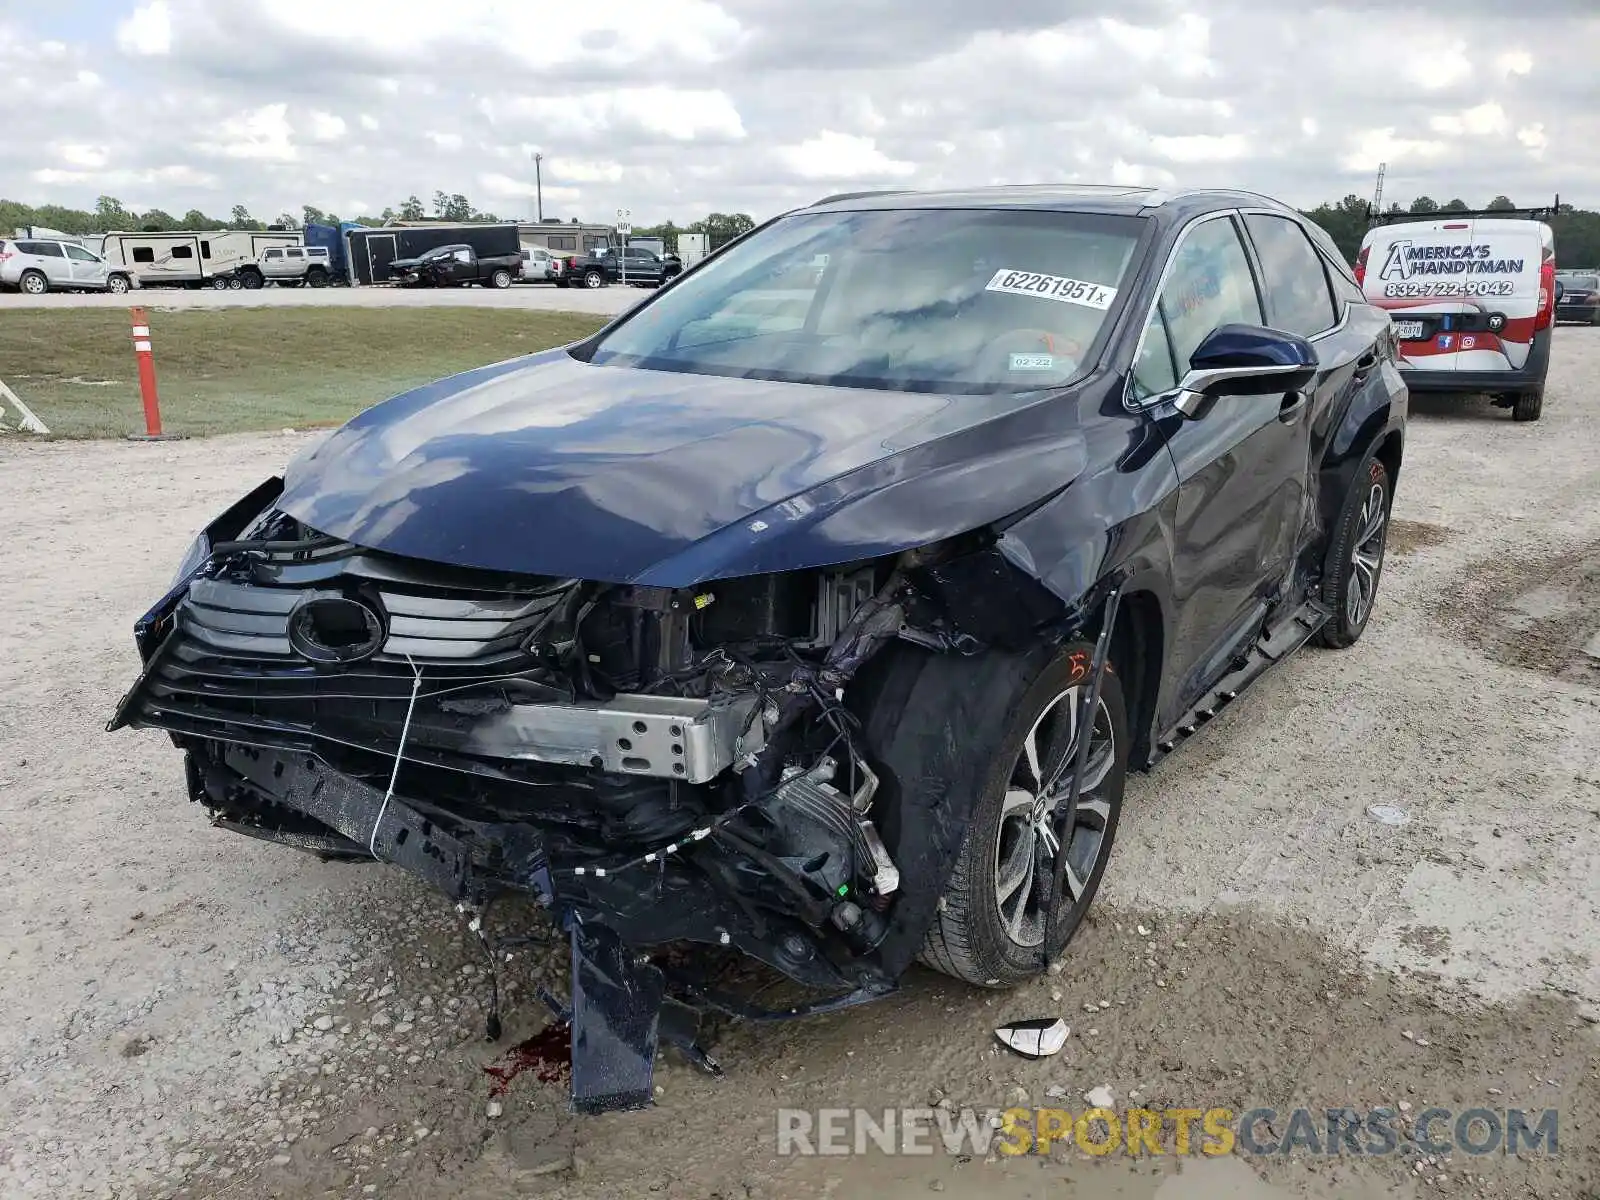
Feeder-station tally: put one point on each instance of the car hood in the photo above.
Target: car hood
(403, 264)
(553, 466)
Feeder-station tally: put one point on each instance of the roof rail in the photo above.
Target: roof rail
(859, 195)
(1533, 214)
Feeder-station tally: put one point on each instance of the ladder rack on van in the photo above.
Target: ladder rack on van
(1532, 214)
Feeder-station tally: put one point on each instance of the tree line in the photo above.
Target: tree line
(1577, 231)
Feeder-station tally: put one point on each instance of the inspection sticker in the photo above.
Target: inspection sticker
(1033, 362)
(1052, 287)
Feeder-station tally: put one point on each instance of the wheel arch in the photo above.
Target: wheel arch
(1138, 648)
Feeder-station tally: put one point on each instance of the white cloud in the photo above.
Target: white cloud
(1534, 138)
(1441, 67)
(1308, 126)
(832, 155)
(1203, 148)
(1514, 62)
(1379, 146)
(676, 113)
(81, 155)
(148, 31)
(262, 134)
(1485, 119)
(445, 141)
(326, 127)
(369, 122)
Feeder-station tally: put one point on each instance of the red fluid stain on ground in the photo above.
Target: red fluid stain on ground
(548, 1054)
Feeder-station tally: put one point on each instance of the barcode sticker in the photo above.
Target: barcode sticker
(1052, 287)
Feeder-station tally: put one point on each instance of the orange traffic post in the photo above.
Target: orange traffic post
(147, 381)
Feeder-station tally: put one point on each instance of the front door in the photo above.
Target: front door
(88, 270)
(1242, 467)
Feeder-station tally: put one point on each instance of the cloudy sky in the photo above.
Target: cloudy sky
(674, 108)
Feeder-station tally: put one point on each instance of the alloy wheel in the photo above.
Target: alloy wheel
(1032, 826)
(1366, 555)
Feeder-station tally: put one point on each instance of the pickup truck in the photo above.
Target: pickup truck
(603, 266)
(456, 266)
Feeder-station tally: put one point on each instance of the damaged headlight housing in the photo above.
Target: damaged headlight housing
(199, 550)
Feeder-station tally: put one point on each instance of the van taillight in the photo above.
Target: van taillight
(1547, 292)
(1361, 266)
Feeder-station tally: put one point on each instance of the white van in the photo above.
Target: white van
(1472, 298)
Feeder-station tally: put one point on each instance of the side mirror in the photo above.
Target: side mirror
(1245, 360)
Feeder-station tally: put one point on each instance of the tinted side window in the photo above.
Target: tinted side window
(1210, 285)
(43, 249)
(294, 253)
(205, 249)
(143, 254)
(563, 242)
(1292, 274)
(183, 252)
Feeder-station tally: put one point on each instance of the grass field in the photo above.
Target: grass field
(230, 370)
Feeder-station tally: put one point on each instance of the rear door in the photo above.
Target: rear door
(1242, 468)
(51, 259)
(1462, 294)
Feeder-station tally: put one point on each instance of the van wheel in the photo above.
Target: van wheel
(34, 283)
(1529, 406)
(118, 285)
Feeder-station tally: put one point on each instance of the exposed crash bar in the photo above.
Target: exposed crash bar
(666, 737)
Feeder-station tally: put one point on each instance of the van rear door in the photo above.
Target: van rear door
(1462, 294)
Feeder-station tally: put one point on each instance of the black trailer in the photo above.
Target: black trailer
(372, 250)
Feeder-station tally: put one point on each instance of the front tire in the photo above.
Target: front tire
(990, 927)
(118, 285)
(1355, 558)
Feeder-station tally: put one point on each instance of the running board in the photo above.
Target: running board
(1275, 643)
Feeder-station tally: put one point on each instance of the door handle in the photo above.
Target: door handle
(1293, 405)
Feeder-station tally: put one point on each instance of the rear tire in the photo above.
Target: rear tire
(989, 929)
(501, 278)
(33, 283)
(593, 279)
(1529, 406)
(219, 283)
(1355, 558)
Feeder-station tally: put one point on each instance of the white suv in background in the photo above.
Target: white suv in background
(36, 266)
(290, 266)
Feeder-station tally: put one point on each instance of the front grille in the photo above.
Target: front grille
(227, 668)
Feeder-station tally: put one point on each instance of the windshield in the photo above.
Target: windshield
(1581, 282)
(920, 300)
(441, 252)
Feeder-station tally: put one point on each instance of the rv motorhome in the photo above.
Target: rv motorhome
(194, 259)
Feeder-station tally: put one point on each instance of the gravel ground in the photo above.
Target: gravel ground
(188, 1012)
(608, 300)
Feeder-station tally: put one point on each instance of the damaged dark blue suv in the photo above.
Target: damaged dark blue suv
(815, 608)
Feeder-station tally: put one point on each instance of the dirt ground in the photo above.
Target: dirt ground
(186, 1012)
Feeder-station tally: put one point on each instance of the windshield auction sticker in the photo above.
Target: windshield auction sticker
(1052, 287)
